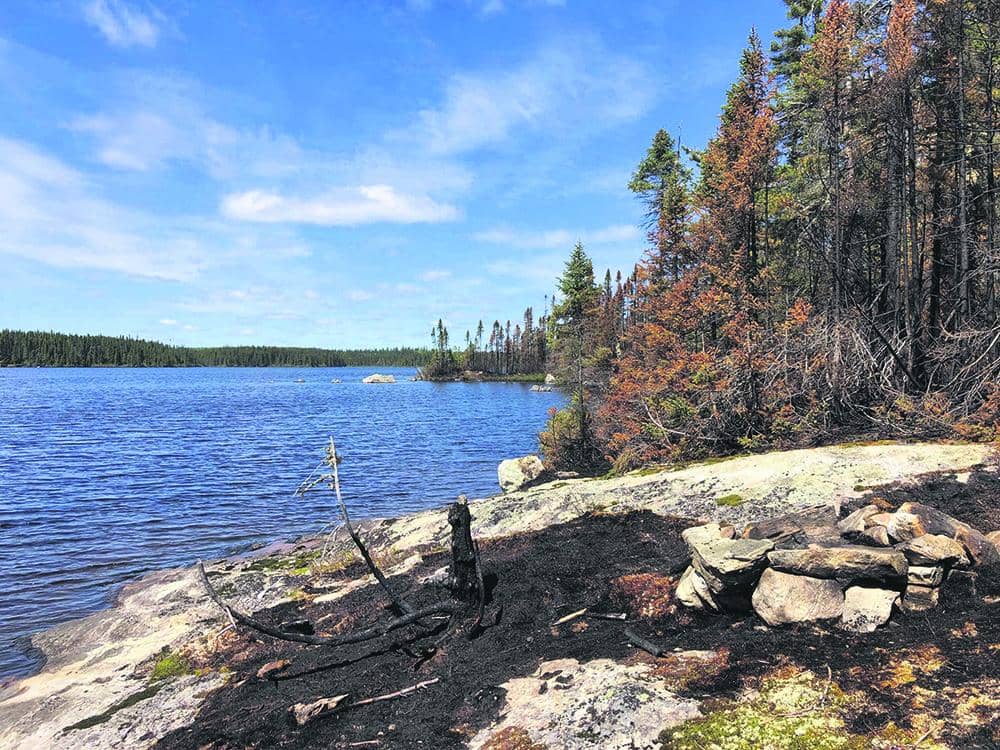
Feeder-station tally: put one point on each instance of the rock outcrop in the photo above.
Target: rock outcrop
(98, 669)
(378, 378)
(595, 705)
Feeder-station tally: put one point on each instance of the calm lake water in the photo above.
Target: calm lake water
(107, 474)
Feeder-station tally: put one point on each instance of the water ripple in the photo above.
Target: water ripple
(107, 474)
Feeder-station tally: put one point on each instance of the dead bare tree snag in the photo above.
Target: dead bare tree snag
(332, 460)
(465, 580)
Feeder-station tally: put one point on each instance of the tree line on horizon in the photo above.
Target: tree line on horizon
(48, 349)
(828, 264)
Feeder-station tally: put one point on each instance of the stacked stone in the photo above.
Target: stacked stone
(813, 567)
(936, 546)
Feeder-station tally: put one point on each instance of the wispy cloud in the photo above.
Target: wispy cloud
(155, 120)
(168, 322)
(124, 25)
(483, 109)
(551, 239)
(367, 204)
(435, 274)
(487, 7)
(52, 214)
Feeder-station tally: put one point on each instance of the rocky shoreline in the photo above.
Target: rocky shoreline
(164, 665)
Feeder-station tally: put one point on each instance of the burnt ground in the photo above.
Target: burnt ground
(920, 664)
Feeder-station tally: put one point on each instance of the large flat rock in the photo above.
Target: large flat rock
(595, 705)
(847, 563)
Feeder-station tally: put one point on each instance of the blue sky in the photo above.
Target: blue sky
(339, 174)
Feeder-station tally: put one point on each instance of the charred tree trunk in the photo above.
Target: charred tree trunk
(464, 579)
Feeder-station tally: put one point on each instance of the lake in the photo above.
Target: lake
(107, 474)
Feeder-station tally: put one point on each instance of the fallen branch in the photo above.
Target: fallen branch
(639, 642)
(368, 634)
(607, 615)
(303, 713)
(397, 694)
(572, 616)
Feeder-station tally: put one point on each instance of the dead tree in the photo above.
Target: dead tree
(465, 582)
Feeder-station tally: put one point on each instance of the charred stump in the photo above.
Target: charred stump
(464, 578)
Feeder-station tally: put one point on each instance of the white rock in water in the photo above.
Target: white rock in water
(515, 473)
(782, 598)
(866, 608)
(377, 378)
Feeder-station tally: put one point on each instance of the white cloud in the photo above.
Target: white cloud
(435, 275)
(124, 25)
(159, 120)
(359, 295)
(168, 322)
(53, 214)
(367, 204)
(551, 239)
(50, 213)
(575, 85)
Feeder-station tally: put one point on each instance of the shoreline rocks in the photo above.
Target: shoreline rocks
(517, 473)
(94, 663)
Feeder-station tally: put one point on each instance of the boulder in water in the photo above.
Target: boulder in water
(377, 378)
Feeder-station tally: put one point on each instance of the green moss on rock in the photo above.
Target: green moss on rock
(729, 501)
(170, 665)
(789, 713)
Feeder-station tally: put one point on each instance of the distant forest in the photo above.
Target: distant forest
(42, 349)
